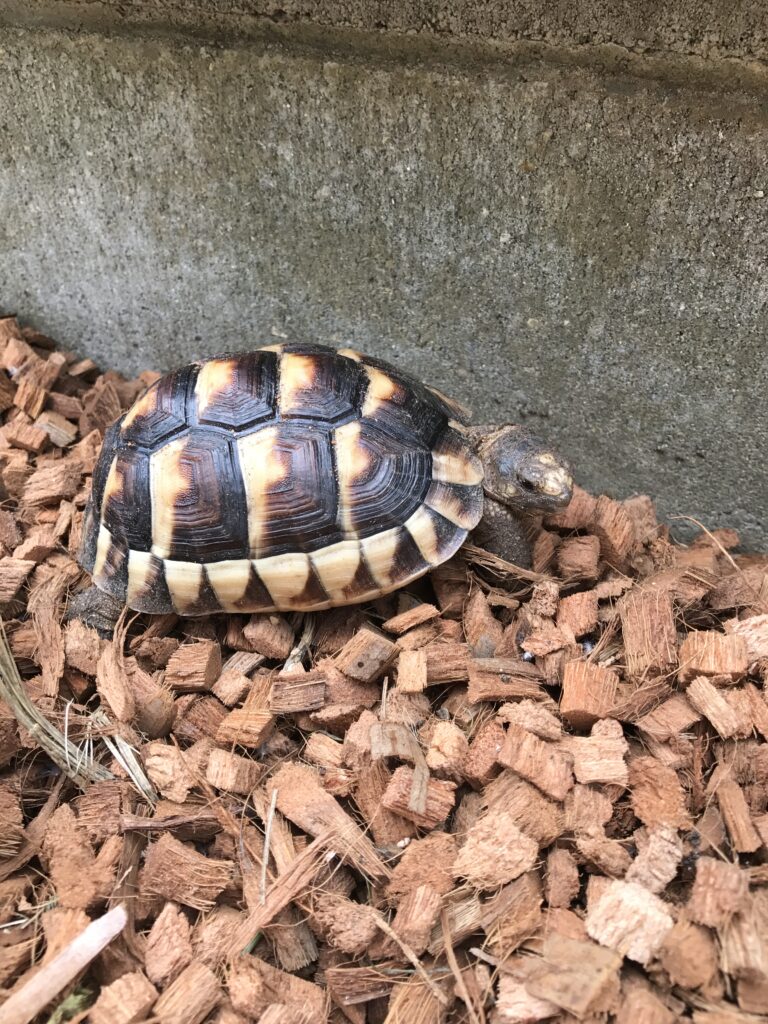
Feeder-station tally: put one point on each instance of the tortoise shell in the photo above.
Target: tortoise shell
(294, 477)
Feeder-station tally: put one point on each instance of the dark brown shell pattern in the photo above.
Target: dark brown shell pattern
(294, 477)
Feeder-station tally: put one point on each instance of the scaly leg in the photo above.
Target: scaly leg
(503, 533)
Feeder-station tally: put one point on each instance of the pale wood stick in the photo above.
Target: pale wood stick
(46, 983)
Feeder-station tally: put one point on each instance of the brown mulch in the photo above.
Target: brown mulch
(496, 796)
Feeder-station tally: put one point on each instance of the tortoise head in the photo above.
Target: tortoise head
(524, 473)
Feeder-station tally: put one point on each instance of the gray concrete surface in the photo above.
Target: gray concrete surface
(707, 28)
(582, 248)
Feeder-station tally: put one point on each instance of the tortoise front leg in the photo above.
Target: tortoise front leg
(503, 533)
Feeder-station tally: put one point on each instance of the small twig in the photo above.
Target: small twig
(305, 642)
(284, 890)
(481, 954)
(67, 706)
(126, 887)
(500, 566)
(23, 920)
(411, 957)
(461, 985)
(267, 840)
(125, 755)
(711, 536)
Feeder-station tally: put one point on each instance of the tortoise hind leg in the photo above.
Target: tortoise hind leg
(96, 609)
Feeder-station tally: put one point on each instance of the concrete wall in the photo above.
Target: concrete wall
(549, 225)
(707, 28)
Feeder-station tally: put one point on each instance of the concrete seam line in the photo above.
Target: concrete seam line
(387, 46)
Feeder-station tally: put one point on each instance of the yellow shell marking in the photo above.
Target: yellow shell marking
(167, 482)
(184, 580)
(103, 544)
(143, 406)
(421, 527)
(445, 501)
(379, 552)
(351, 353)
(456, 468)
(261, 469)
(114, 484)
(284, 576)
(214, 379)
(352, 460)
(336, 566)
(139, 566)
(297, 374)
(229, 580)
(381, 389)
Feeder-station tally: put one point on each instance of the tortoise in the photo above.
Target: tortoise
(299, 477)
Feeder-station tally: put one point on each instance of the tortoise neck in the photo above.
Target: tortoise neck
(481, 436)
